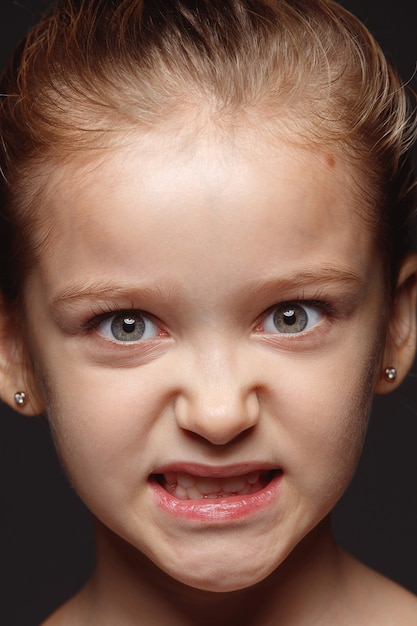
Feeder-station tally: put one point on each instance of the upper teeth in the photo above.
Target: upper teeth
(186, 486)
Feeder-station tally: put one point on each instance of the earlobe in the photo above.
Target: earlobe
(17, 387)
(400, 347)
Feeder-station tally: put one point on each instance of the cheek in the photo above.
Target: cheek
(101, 424)
(325, 424)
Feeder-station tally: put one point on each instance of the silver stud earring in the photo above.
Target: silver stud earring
(20, 398)
(390, 373)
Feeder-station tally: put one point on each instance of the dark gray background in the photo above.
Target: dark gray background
(46, 547)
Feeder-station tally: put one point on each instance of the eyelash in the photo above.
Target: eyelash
(106, 312)
(319, 307)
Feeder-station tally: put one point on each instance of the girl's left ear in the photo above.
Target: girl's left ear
(400, 347)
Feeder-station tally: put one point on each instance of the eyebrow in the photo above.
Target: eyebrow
(320, 277)
(103, 291)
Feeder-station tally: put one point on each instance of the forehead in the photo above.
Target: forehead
(188, 197)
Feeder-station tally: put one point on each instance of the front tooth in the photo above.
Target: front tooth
(181, 493)
(194, 493)
(253, 478)
(234, 484)
(207, 485)
(185, 480)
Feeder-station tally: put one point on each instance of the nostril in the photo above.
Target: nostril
(219, 438)
(219, 414)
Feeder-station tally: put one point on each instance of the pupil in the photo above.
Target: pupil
(289, 317)
(129, 325)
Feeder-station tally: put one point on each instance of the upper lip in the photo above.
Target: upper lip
(215, 471)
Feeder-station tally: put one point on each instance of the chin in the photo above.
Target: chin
(221, 577)
(232, 583)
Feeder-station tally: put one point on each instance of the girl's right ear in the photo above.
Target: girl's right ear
(17, 383)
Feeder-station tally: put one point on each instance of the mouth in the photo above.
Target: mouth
(185, 486)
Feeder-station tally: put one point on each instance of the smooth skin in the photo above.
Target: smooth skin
(155, 326)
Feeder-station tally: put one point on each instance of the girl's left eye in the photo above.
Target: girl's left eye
(127, 326)
(292, 318)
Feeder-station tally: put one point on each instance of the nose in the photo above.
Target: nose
(219, 401)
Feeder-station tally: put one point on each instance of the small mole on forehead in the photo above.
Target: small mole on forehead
(330, 160)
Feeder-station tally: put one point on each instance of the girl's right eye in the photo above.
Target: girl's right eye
(127, 327)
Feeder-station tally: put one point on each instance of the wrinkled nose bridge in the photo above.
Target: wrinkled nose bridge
(218, 400)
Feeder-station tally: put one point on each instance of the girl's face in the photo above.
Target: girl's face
(205, 322)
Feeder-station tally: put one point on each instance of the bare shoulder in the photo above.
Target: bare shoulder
(61, 617)
(379, 600)
(68, 614)
(400, 606)
(56, 619)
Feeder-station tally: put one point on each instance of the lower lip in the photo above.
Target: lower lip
(217, 510)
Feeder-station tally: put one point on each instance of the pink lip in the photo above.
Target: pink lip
(217, 510)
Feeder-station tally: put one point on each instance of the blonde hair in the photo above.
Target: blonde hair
(93, 68)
